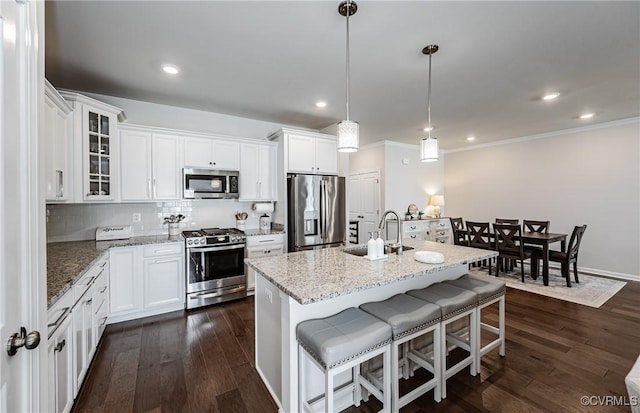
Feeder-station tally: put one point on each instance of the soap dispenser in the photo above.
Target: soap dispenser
(372, 247)
(380, 245)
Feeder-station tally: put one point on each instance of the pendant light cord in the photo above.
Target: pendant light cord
(429, 98)
(348, 13)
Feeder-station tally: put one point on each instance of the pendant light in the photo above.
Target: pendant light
(429, 145)
(348, 130)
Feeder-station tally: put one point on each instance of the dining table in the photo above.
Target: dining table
(544, 239)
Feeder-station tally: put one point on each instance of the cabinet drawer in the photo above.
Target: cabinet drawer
(265, 240)
(414, 226)
(443, 240)
(265, 251)
(161, 250)
(83, 284)
(59, 312)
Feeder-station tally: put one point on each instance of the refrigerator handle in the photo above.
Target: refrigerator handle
(325, 197)
(322, 211)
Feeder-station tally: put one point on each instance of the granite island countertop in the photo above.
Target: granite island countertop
(317, 275)
(68, 261)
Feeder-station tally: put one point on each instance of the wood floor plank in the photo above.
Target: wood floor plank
(203, 361)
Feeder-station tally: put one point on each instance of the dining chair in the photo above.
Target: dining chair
(536, 226)
(508, 240)
(507, 221)
(459, 232)
(565, 258)
(479, 236)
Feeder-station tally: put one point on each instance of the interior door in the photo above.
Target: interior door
(364, 203)
(23, 376)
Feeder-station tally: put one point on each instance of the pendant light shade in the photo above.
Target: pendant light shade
(348, 130)
(429, 151)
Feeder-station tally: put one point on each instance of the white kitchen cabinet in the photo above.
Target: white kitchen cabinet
(100, 304)
(125, 290)
(310, 153)
(96, 156)
(146, 280)
(212, 154)
(261, 246)
(163, 280)
(57, 129)
(60, 354)
(150, 167)
(257, 172)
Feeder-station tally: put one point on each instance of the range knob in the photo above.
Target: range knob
(189, 242)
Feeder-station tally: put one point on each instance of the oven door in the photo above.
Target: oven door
(211, 268)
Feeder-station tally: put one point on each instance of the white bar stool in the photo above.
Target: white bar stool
(340, 342)
(489, 292)
(410, 318)
(455, 304)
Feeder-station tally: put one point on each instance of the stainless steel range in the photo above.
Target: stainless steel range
(215, 266)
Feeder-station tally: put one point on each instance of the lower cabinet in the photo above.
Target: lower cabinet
(261, 246)
(60, 358)
(146, 280)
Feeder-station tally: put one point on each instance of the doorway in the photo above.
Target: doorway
(364, 203)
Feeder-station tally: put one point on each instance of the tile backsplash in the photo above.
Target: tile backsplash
(74, 222)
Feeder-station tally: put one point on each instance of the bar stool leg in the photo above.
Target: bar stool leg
(357, 395)
(328, 392)
(443, 360)
(301, 395)
(501, 325)
(395, 388)
(437, 366)
(474, 341)
(386, 377)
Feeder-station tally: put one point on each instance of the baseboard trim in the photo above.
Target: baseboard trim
(600, 273)
(275, 398)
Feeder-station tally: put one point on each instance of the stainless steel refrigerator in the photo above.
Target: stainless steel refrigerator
(316, 211)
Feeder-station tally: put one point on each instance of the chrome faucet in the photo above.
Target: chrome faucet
(397, 247)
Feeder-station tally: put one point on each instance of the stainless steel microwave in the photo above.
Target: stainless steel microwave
(210, 184)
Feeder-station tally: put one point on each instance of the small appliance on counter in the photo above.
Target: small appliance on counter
(114, 232)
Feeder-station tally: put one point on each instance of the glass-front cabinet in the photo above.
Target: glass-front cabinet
(99, 140)
(95, 148)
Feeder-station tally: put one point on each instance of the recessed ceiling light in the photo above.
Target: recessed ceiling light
(321, 104)
(170, 69)
(471, 138)
(428, 129)
(587, 116)
(551, 96)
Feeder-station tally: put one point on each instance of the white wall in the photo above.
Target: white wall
(583, 176)
(409, 181)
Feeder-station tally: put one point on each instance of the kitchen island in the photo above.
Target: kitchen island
(311, 284)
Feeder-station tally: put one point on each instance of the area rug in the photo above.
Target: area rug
(592, 291)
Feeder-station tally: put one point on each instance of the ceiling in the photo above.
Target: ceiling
(272, 61)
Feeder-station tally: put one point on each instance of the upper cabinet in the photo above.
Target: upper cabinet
(308, 152)
(57, 130)
(150, 165)
(258, 172)
(95, 148)
(212, 154)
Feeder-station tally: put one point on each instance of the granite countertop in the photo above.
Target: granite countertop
(316, 275)
(252, 232)
(68, 261)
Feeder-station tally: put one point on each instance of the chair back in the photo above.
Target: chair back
(574, 242)
(507, 221)
(459, 233)
(479, 235)
(536, 226)
(508, 241)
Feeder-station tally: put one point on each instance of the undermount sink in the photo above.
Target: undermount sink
(362, 250)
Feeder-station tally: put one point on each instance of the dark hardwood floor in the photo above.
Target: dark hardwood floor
(203, 361)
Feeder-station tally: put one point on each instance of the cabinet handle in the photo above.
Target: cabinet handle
(91, 279)
(161, 251)
(149, 188)
(60, 188)
(412, 236)
(65, 311)
(103, 321)
(89, 301)
(60, 346)
(103, 289)
(267, 240)
(167, 260)
(413, 227)
(103, 264)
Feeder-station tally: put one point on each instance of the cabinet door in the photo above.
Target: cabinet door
(163, 281)
(301, 154)
(135, 166)
(61, 368)
(56, 142)
(100, 149)
(326, 156)
(249, 171)
(83, 343)
(226, 155)
(166, 166)
(124, 280)
(198, 153)
(267, 173)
